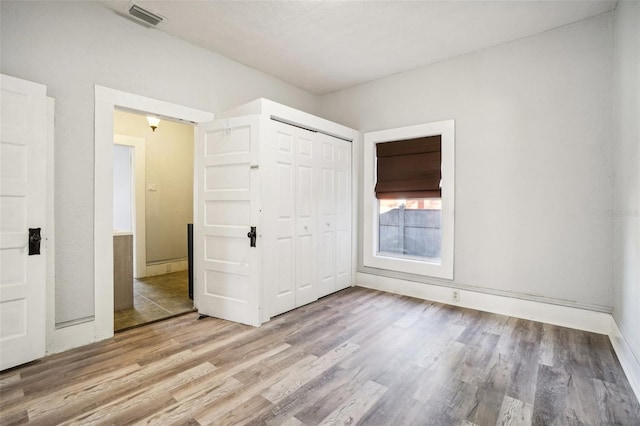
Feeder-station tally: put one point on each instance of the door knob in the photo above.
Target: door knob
(252, 236)
(34, 241)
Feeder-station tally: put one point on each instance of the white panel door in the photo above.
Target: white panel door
(343, 213)
(335, 215)
(227, 268)
(22, 206)
(290, 263)
(305, 182)
(327, 216)
(280, 264)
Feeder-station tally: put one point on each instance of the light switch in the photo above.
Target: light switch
(152, 187)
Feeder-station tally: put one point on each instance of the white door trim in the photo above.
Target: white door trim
(139, 201)
(49, 241)
(106, 100)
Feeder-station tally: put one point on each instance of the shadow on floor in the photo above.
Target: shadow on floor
(155, 298)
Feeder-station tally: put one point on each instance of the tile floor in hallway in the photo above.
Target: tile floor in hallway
(155, 298)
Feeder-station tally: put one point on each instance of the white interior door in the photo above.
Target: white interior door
(227, 268)
(343, 214)
(305, 214)
(280, 193)
(335, 214)
(291, 263)
(22, 206)
(327, 218)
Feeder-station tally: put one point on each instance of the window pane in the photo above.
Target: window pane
(410, 228)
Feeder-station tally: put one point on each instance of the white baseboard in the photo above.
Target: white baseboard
(580, 319)
(628, 360)
(73, 336)
(166, 267)
(62, 337)
(565, 316)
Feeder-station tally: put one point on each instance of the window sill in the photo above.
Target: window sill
(407, 265)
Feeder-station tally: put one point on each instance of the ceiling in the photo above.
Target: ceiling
(325, 46)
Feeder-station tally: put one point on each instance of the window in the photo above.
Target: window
(409, 199)
(410, 228)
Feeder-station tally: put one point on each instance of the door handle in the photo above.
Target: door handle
(34, 241)
(252, 236)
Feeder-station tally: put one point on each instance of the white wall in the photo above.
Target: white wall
(169, 168)
(626, 167)
(533, 123)
(533, 158)
(72, 46)
(122, 190)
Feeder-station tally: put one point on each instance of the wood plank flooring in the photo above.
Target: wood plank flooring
(356, 357)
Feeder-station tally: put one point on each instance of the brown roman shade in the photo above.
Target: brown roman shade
(409, 168)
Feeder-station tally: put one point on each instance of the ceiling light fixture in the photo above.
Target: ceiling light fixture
(153, 122)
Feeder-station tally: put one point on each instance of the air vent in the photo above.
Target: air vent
(145, 15)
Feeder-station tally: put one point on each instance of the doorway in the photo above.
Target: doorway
(106, 101)
(129, 212)
(152, 206)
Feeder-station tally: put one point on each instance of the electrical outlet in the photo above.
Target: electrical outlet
(455, 295)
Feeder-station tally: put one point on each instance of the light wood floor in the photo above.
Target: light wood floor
(356, 357)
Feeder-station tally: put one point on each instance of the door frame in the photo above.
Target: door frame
(138, 205)
(49, 240)
(106, 101)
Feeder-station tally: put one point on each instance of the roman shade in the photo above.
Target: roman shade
(409, 168)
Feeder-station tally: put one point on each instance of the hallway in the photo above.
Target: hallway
(155, 298)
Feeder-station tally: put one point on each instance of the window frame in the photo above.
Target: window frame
(371, 257)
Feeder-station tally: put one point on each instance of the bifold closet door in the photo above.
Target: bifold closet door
(289, 208)
(327, 216)
(343, 202)
(334, 214)
(305, 184)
